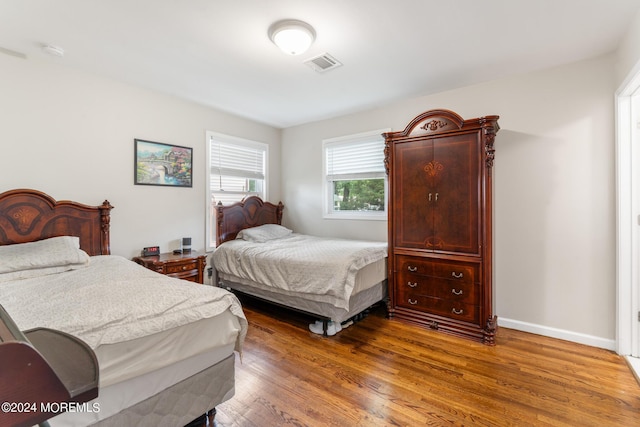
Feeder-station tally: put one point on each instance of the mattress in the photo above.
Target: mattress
(368, 276)
(124, 360)
(127, 314)
(370, 287)
(148, 331)
(300, 265)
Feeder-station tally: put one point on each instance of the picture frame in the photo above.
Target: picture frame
(156, 163)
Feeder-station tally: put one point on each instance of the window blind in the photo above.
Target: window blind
(237, 160)
(355, 160)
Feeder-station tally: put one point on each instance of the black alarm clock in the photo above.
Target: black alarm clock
(151, 251)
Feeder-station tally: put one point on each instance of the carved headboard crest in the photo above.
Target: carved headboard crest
(250, 212)
(441, 121)
(29, 215)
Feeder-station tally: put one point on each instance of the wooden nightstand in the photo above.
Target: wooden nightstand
(188, 266)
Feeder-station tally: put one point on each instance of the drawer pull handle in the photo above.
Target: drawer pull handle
(455, 292)
(454, 311)
(184, 267)
(457, 275)
(412, 269)
(412, 285)
(412, 302)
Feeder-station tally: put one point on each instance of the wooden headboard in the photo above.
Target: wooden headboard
(250, 212)
(30, 215)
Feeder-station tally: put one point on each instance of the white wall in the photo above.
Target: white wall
(554, 192)
(628, 71)
(628, 53)
(70, 134)
(302, 178)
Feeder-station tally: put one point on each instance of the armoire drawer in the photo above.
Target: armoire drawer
(437, 287)
(444, 307)
(466, 272)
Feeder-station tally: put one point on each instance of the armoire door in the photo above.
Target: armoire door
(436, 194)
(456, 213)
(412, 191)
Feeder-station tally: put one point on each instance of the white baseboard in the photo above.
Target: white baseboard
(558, 333)
(634, 364)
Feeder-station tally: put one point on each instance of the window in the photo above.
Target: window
(355, 180)
(237, 169)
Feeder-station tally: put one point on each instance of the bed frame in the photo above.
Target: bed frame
(252, 212)
(29, 215)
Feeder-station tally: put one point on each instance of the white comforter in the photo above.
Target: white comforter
(299, 263)
(113, 300)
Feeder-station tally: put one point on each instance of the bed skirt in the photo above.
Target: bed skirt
(357, 303)
(183, 402)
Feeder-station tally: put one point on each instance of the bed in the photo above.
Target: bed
(165, 347)
(333, 280)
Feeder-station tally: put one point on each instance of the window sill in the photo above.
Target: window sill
(356, 216)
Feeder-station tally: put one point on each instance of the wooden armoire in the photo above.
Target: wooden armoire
(440, 223)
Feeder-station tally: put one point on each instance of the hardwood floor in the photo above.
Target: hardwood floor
(382, 372)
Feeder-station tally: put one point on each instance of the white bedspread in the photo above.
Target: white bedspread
(114, 300)
(301, 263)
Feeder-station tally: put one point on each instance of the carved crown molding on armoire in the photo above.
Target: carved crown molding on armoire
(441, 223)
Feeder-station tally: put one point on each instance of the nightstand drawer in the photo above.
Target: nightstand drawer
(187, 266)
(180, 267)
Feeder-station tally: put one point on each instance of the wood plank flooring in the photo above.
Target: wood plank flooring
(382, 372)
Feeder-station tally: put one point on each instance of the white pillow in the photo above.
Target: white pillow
(263, 233)
(53, 252)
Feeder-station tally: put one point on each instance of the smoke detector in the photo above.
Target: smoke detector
(323, 62)
(53, 50)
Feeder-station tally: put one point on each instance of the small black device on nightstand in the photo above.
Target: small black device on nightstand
(151, 250)
(186, 245)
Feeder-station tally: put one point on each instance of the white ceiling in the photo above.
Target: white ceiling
(217, 53)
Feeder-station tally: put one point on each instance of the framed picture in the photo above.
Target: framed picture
(162, 164)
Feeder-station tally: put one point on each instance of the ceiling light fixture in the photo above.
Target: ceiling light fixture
(293, 37)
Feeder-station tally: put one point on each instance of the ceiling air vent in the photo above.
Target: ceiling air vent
(323, 62)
